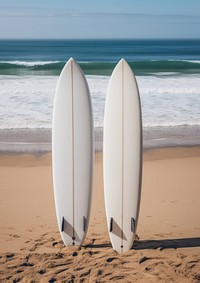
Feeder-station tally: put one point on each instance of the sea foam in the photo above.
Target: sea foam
(167, 100)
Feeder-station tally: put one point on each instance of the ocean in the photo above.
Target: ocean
(167, 72)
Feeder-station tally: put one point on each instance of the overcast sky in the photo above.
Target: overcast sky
(99, 19)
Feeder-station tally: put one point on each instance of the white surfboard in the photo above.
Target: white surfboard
(72, 154)
(122, 157)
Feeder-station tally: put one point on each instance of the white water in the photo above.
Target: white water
(29, 63)
(167, 100)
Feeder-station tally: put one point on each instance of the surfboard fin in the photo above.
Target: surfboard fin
(111, 224)
(84, 223)
(62, 225)
(132, 225)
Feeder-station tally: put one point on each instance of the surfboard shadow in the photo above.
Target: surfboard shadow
(167, 244)
(69, 230)
(99, 246)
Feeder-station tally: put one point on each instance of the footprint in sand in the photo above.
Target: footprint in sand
(111, 259)
(143, 259)
(10, 255)
(100, 272)
(14, 236)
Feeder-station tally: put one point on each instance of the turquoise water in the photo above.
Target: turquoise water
(98, 57)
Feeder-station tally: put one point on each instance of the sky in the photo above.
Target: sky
(42, 19)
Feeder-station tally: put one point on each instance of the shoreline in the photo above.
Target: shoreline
(38, 141)
(32, 159)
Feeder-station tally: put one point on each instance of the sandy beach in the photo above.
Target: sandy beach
(168, 249)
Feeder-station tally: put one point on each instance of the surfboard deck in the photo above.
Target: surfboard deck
(122, 157)
(72, 154)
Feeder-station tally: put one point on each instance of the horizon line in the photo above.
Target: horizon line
(105, 38)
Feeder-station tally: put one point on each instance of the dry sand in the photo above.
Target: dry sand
(168, 249)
